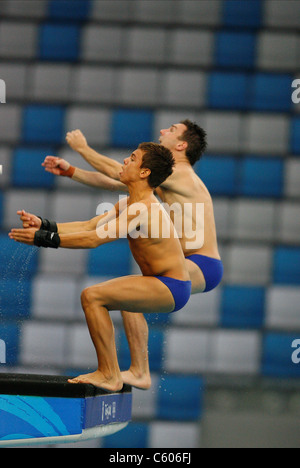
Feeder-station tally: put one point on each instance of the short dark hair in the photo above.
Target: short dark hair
(159, 160)
(196, 139)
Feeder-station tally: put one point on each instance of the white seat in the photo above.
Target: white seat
(18, 40)
(253, 220)
(146, 45)
(201, 310)
(174, 435)
(186, 350)
(94, 84)
(43, 344)
(145, 402)
(22, 8)
(93, 122)
(153, 11)
(184, 88)
(282, 14)
(31, 201)
(15, 76)
(118, 10)
(283, 308)
(190, 47)
(292, 177)
(266, 134)
(11, 119)
(205, 12)
(235, 352)
(71, 206)
(6, 163)
(272, 51)
(102, 43)
(53, 297)
(249, 265)
(223, 212)
(50, 82)
(69, 262)
(138, 87)
(224, 131)
(288, 223)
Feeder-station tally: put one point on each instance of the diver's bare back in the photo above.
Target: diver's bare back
(185, 187)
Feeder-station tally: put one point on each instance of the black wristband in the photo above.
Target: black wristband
(47, 239)
(48, 225)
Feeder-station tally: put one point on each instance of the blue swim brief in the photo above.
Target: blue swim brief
(211, 268)
(181, 290)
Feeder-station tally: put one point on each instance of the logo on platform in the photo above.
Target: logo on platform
(2, 92)
(2, 352)
(296, 353)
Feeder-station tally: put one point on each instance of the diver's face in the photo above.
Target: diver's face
(169, 137)
(132, 167)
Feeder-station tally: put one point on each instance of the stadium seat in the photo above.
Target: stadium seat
(11, 122)
(15, 74)
(282, 14)
(179, 435)
(137, 87)
(18, 40)
(180, 398)
(228, 90)
(282, 308)
(15, 299)
(101, 43)
(204, 13)
(272, 49)
(295, 137)
(266, 134)
(111, 259)
(261, 177)
(135, 435)
(242, 307)
(292, 177)
(248, 217)
(248, 264)
(183, 88)
(68, 10)
(59, 42)
(242, 14)
(220, 174)
(277, 355)
(94, 84)
(28, 170)
(17, 260)
(271, 92)
(235, 49)
(289, 223)
(146, 45)
(188, 47)
(43, 124)
(286, 268)
(51, 82)
(131, 127)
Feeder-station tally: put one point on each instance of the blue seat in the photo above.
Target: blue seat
(262, 177)
(113, 259)
(271, 92)
(17, 260)
(69, 10)
(277, 356)
(219, 173)
(295, 135)
(286, 268)
(235, 49)
(246, 13)
(228, 90)
(155, 346)
(10, 334)
(131, 127)
(28, 170)
(242, 307)
(135, 435)
(59, 42)
(43, 124)
(1, 207)
(15, 298)
(180, 398)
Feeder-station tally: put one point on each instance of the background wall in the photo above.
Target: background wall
(120, 71)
